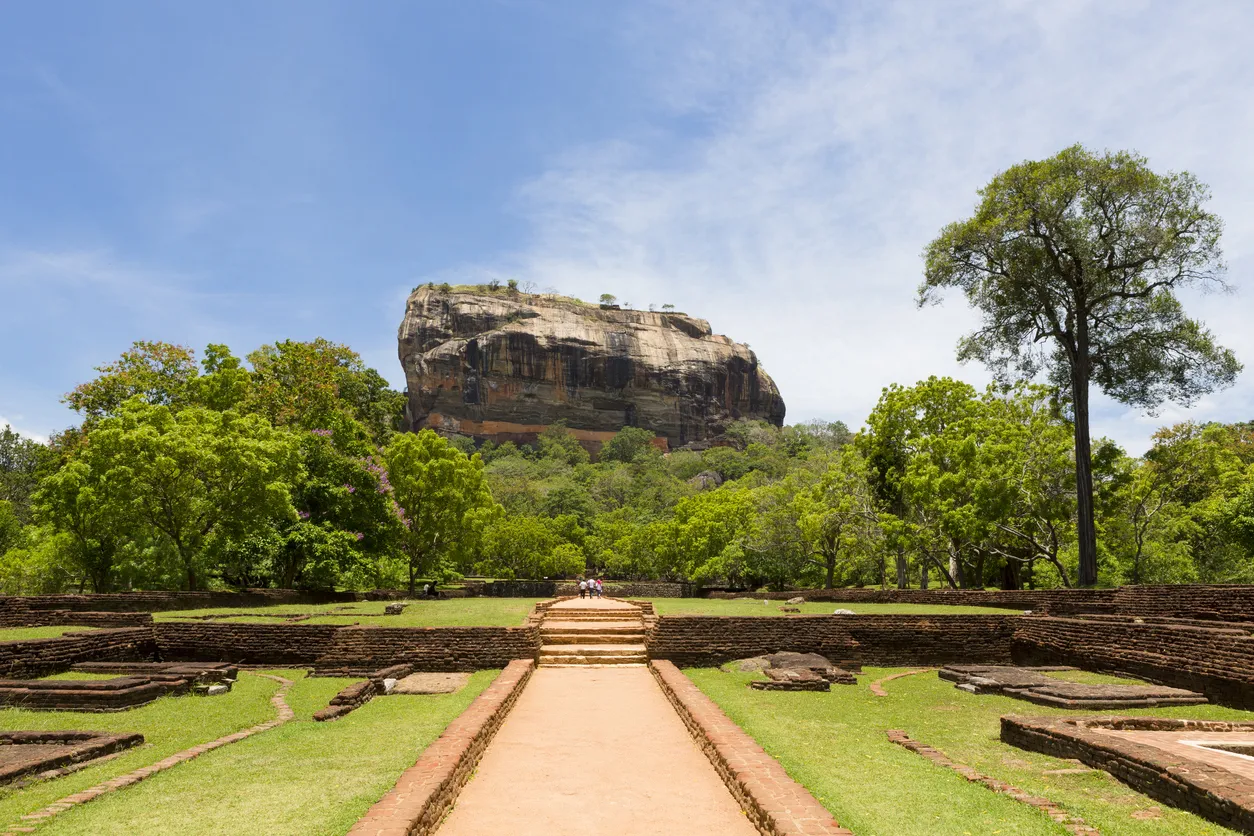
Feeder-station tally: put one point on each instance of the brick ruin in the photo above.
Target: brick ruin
(1195, 638)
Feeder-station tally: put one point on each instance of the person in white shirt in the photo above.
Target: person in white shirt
(583, 588)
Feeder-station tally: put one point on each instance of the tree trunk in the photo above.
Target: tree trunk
(831, 570)
(923, 576)
(1086, 524)
(411, 577)
(902, 568)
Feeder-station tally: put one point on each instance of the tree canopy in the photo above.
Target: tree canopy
(1075, 263)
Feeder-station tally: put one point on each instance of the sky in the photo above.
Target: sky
(243, 172)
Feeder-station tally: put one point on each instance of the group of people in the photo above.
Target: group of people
(592, 588)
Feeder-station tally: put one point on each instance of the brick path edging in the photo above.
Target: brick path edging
(426, 791)
(776, 804)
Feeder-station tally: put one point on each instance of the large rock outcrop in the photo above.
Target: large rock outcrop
(503, 365)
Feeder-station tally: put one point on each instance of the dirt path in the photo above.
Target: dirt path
(594, 752)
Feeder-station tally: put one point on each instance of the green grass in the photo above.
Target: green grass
(1090, 678)
(301, 778)
(835, 744)
(453, 612)
(21, 634)
(751, 606)
(168, 725)
(80, 676)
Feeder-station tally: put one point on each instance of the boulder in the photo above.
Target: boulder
(800, 599)
(843, 612)
(504, 365)
(394, 609)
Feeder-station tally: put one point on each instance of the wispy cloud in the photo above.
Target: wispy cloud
(5, 422)
(823, 148)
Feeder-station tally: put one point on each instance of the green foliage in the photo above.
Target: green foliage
(442, 499)
(23, 462)
(1074, 263)
(627, 444)
(158, 373)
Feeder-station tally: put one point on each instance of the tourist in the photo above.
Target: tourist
(600, 589)
(583, 587)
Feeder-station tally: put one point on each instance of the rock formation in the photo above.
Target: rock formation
(503, 365)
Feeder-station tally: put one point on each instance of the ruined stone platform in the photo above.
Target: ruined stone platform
(1032, 685)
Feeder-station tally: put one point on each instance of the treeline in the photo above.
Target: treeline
(289, 470)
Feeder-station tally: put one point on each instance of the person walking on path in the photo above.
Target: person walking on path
(583, 588)
(600, 589)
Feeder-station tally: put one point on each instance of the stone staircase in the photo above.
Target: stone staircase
(598, 632)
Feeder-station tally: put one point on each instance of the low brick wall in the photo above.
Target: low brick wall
(247, 644)
(1218, 662)
(776, 804)
(72, 747)
(1086, 600)
(71, 618)
(1217, 602)
(361, 650)
(633, 589)
(882, 640)
(159, 601)
(1223, 797)
(41, 657)
(427, 790)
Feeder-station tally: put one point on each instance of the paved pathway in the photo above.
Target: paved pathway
(595, 751)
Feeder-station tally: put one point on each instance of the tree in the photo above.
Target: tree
(668, 307)
(443, 497)
(89, 500)
(837, 516)
(197, 475)
(1074, 262)
(627, 444)
(608, 299)
(23, 462)
(306, 384)
(559, 443)
(156, 372)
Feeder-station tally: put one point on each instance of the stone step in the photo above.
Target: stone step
(621, 649)
(592, 659)
(615, 664)
(592, 626)
(585, 637)
(593, 617)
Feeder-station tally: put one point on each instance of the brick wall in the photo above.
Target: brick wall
(1087, 600)
(41, 657)
(19, 617)
(1205, 789)
(1218, 662)
(360, 650)
(249, 644)
(159, 601)
(882, 640)
(634, 589)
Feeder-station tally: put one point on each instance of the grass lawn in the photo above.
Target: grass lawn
(168, 725)
(21, 634)
(835, 744)
(301, 778)
(453, 612)
(750, 606)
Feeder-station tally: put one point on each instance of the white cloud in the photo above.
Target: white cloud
(5, 422)
(823, 147)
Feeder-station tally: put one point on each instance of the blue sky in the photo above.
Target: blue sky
(244, 172)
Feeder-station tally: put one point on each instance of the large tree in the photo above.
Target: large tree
(442, 497)
(1075, 262)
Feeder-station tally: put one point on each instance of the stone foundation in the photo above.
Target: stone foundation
(25, 753)
(1168, 775)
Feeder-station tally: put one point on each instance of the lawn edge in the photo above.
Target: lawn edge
(426, 791)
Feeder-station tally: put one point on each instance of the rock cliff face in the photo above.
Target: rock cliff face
(503, 365)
